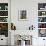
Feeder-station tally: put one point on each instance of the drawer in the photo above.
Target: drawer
(3, 41)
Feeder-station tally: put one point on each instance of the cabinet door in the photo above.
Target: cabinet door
(41, 41)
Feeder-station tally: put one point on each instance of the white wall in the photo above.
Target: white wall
(32, 11)
(32, 8)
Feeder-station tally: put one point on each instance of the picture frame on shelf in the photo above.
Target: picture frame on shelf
(22, 15)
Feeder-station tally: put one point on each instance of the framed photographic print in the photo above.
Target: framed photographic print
(22, 14)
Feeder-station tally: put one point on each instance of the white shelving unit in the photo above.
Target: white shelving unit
(4, 21)
(42, 18)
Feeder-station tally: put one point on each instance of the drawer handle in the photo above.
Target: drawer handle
(43, 39)
(1, 39)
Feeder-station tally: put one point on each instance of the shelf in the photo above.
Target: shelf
(3, 10)
(41, 10)
(41, 28)
(41, 22)
(3, 16)
(3, 22)
(42, 16)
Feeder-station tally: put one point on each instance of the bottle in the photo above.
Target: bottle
(29, 28)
